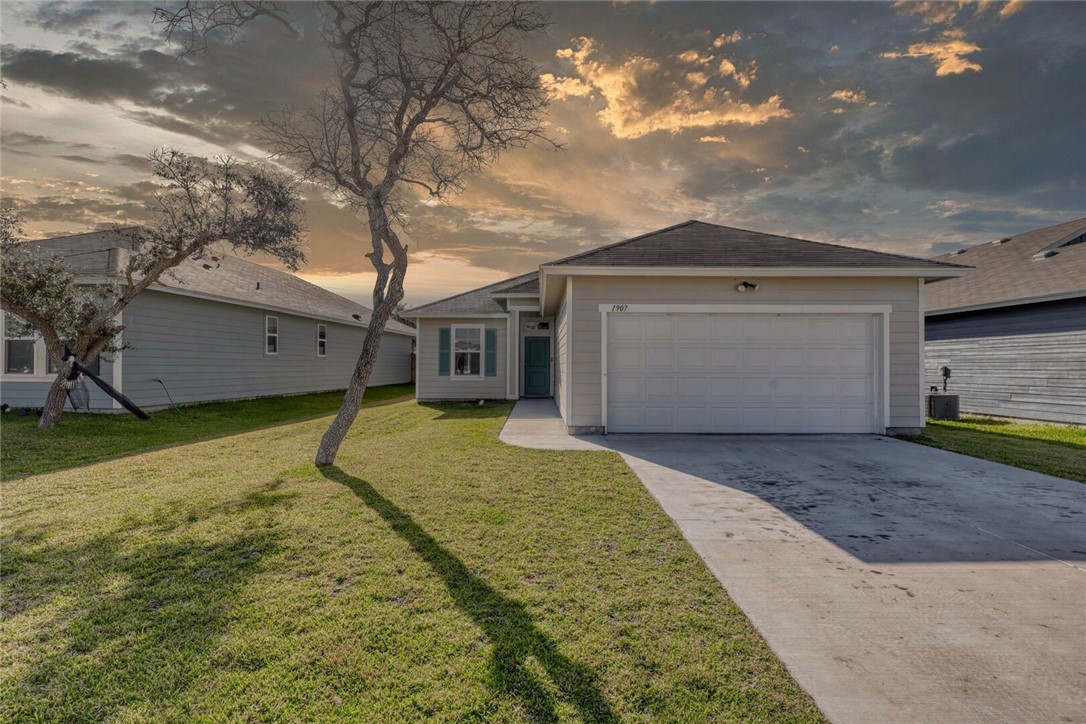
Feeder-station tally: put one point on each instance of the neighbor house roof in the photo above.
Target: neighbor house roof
(222, 277)
(482, 301)
(700, 244)
(1048, 263)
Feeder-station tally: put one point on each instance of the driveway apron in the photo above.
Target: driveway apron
(898, 583)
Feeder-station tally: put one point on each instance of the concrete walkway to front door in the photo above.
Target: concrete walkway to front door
(898, 583)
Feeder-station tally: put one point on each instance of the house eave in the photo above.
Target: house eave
(774, 271)
(270, 307)
(1007, 303)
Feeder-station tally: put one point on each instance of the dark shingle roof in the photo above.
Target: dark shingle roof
(1006, 271)
(229, 278)
(699, 244)
(479, 301)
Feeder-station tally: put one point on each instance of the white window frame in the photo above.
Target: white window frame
(37, 371)
(268, 334)
(322, 327)
(482, 352)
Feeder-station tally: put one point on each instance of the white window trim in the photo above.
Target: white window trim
(880, 312)
(322, 325)
(41, 360)
(482, 353)
(40, 366)
(268, 334)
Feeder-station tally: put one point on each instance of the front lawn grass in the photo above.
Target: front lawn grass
(1058, 450)
(84, 438)
(436, 573)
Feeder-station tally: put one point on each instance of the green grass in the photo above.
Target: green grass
(81, 438)
(1053, 449)
(435, 574)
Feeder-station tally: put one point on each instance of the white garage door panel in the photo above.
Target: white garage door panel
(741, 373)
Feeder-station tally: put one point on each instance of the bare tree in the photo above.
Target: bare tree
(246, 206)
(425, 94)
(189, 24)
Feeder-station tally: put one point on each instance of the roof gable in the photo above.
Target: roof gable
(1048, 262)
(479, 302)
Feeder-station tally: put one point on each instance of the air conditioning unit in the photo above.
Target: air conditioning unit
(943, 407)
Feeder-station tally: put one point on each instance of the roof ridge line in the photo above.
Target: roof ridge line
(624, 241)
(836, 246)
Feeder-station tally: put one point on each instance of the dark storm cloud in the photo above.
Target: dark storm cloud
(913, 128)
(80, 213)
(79, 76)
(18, 139)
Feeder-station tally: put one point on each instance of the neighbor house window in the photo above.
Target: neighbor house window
(467, 351)
(18, 350)
(94, 367)
(322, 340)
(271, 335)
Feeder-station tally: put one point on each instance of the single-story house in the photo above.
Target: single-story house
(221, 328)
(694, 328)
(1013, 332)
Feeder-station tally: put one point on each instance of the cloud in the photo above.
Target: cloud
(742, 77)
(930, 12)
(1011, 7)
(713, 139)
(695, 57)
(561, 88)
(948, 53)
(848, 96)
(722, 40)
(641, 95)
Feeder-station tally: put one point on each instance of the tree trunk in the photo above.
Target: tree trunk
(352, 400)
(54, 403)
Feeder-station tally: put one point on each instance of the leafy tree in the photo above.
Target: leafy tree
(424, 94)
(201, 203)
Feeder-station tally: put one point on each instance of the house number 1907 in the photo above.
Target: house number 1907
(619, 307)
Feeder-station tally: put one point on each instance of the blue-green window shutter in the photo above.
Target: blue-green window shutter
(491, 352)
(444, 350)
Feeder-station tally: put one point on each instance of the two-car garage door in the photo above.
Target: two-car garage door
(741, 373)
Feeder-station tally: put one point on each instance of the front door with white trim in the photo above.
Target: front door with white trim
(742, 373)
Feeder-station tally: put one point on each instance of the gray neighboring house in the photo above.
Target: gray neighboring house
(1013, 332)
(224, 328)
(694, 328)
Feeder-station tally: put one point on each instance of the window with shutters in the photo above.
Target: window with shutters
(467, 351)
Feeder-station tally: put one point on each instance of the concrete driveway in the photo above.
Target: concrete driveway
(897, 582)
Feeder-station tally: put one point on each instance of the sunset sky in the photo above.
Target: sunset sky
(907, 127)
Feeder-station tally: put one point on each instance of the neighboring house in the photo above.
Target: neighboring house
(1013, 332)
(218, 329)
(694, 328)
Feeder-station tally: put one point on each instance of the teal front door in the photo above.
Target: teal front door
(537, 366)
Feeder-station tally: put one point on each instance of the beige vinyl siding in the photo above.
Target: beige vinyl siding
(430, 386)
(561, 361)
(901, 293)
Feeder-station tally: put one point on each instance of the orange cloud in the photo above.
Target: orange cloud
(848, 96)
(948, 52)
(641, 96)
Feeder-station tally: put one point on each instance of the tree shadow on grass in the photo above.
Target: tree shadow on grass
(125, 623)
(505, 622)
